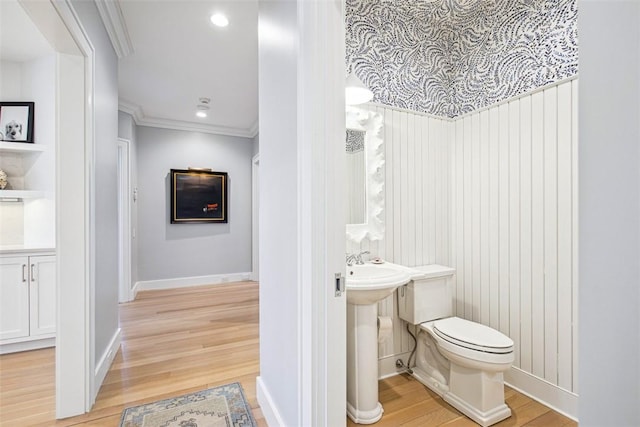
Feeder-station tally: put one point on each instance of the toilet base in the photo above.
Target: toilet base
(478, 395)
(486, 418)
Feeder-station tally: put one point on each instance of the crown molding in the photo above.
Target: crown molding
(141, 120)
(113, 20)
(253, 130)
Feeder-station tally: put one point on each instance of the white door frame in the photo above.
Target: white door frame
(124, 220)
(60, 25)
(321, 110)
(255, 216)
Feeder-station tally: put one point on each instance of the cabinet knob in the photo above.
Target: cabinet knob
(24, 273)
(33, 272)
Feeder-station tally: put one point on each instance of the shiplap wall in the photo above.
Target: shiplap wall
(494, 195)
(417, 198)
(514, 231)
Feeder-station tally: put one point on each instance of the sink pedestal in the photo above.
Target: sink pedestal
(362, 364)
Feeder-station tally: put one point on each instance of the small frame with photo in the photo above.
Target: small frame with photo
(16, 121)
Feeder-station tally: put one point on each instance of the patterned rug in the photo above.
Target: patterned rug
(223, 406)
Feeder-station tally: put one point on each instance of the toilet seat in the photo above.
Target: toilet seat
(472, 336)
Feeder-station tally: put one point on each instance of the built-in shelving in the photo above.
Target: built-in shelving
(21, 147)
(20, 194)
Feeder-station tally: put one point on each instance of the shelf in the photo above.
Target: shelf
(21, 147)
(20, 194)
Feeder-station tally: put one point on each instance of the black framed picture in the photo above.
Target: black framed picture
(16, 121)
(198, 196)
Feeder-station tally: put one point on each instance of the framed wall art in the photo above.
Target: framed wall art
(198, 196)
(16, 121)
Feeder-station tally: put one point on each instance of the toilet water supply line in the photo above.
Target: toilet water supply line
(399, 363)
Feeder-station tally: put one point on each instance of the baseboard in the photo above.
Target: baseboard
(102, 367)
(32, 344)
(185, 282)
(268, 407)
(548, 394)
(387, 365)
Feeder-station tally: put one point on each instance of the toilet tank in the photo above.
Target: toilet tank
(428, 296)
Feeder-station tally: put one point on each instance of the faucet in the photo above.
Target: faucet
(353, 258)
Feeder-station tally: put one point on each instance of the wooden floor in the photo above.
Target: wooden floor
(408, 403)
(173, 342)
(180, 341)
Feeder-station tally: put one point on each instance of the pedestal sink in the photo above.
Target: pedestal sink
(367, 285)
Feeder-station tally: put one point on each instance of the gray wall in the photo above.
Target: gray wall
(105, 153)
(168, 251)
(127, 129)
(609, 297)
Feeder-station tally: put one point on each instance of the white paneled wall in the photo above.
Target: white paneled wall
(494, 195)
(514, 235)
(417, 219)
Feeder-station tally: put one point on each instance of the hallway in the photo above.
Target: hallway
(174, 342)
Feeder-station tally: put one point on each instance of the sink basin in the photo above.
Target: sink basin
(370, 283)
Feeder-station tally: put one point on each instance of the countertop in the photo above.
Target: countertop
(22, 249)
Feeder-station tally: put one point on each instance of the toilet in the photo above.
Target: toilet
(460, 360)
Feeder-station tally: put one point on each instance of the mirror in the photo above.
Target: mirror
(365, 175)
(356, 180)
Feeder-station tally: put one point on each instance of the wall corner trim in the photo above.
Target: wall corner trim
(548, 394)
(184, 282)
(116, 27)
(102, 367)
(269, 409)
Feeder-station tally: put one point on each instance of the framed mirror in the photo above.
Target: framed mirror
(365, 175)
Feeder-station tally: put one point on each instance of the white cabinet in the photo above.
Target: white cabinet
(27, 302)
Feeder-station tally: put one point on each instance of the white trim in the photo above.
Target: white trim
(453, 119)
(253, 130)
(268, 407)
(255, 218)
(516, 97)
(387, 365)
(141, 120)
(185, 282)
(370, 105)
(103, 365)
(59, 23)
(114, 22)
(548, 394)
(124, 220)
(31, 344)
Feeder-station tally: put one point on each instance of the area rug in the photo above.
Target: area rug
(223, 406)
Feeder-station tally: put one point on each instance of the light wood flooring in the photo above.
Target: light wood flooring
(173, 342)
(180, 341)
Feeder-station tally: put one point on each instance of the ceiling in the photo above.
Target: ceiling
(20, 40)
(179, 56)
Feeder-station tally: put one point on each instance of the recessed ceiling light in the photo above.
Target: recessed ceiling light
(219, 20)
(201, 114)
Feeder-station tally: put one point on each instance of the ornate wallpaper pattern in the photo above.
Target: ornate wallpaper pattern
(450, 57)
(355, 140)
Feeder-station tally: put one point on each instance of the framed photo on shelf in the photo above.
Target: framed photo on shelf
(198, 196)
(16, 121)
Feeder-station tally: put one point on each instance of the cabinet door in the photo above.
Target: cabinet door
(14, 297)
(42, 271)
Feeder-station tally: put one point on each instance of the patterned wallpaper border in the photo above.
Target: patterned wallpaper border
(451, 57)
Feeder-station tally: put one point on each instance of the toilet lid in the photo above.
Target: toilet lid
(472, 335)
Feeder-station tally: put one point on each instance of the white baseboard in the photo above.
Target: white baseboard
(102, 367)
(268, 407)
(548, 394)
(36, 344)
(387, 365)
(185, 282)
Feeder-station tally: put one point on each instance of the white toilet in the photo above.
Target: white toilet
(460, 360)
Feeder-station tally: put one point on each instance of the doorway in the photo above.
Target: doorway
(255, 208)
(124, 221)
